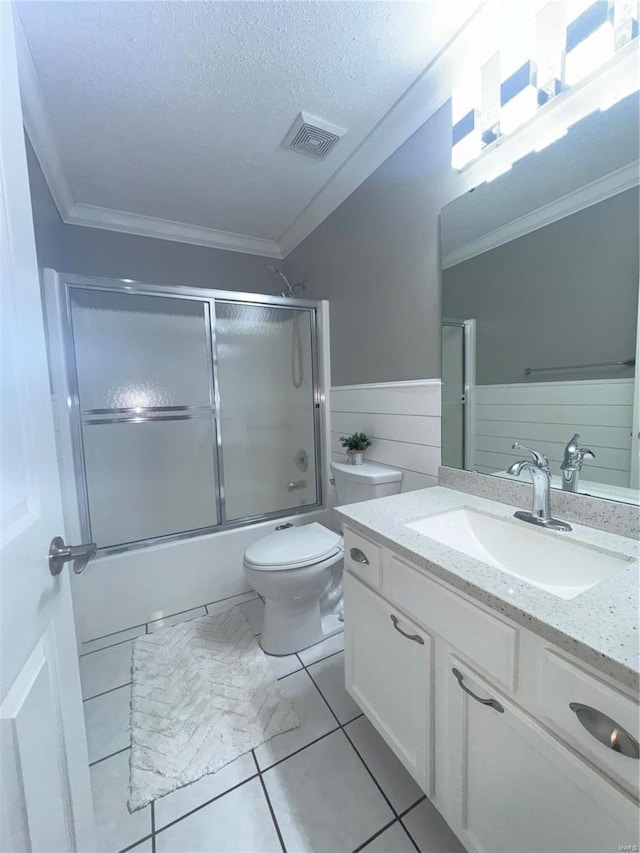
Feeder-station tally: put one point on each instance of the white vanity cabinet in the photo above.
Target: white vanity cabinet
(516, 788)
(474, 706)
(388, 670)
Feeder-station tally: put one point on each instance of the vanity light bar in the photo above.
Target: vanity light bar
(574, 44)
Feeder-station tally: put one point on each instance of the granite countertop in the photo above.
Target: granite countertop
(599, 626)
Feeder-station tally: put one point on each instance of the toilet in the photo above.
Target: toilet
(298, 570)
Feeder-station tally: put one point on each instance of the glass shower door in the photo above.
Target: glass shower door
(265, 376)
(144, 378)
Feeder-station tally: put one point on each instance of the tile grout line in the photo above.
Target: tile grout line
(135, 843)
(113, 633)
(153, 826)
(268, 799)
(104, 692)
(393, 823)
(112, 646)
(302, 666)
(111, 755)
(364, 763)
(376, 835)
(301, 749)
(411, 838)
(205, 804)
(403, 814)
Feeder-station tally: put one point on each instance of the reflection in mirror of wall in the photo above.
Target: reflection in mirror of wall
(540, 311)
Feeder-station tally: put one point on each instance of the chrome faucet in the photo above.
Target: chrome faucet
(538, 467)
(574, 456)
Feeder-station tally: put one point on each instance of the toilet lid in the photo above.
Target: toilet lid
(294, 547)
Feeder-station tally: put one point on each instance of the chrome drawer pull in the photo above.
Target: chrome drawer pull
(359, 556)
(606, 730)
(415, 637)
(492, 703)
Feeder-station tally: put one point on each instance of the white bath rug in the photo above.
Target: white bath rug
(203, 694)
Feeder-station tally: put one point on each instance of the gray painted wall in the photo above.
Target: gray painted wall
(376, 257)
(562, 295)
(48, 226)
(93, 251)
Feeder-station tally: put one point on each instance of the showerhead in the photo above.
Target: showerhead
(291, 288)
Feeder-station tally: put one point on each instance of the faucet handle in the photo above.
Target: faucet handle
(539, 458)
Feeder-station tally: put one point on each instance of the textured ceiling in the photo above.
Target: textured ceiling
(177, 110)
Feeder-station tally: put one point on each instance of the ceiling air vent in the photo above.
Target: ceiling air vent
(313, 136)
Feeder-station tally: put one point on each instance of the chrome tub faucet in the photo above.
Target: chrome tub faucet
(538, 468)
(574, 456)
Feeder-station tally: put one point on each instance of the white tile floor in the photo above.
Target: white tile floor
(330, 786)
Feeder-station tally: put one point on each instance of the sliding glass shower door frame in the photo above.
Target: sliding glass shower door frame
(67, 283)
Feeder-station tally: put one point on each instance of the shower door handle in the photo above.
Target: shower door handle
(59, 554)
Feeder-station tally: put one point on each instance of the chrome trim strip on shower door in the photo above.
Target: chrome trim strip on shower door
(171, 291)
(316, 391)
(145, 410)
(213, 362)
(73, 408)
(138, 419)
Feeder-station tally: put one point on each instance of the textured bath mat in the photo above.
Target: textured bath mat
(203, 694)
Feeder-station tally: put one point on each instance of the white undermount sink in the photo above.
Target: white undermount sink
(562, 567)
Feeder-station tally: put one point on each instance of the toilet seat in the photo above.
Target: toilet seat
(293, 548)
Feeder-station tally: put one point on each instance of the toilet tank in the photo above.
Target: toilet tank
(355, 483)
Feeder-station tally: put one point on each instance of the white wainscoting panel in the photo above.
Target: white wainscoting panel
(546, 414)
(403, 421)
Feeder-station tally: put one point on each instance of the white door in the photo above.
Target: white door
(517, 789)
(388, 673)
(45, 795)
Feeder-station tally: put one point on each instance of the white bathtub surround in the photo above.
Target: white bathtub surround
(146, 584)
(608, 515)
(203, 694)
(401, 418)
(595, 627)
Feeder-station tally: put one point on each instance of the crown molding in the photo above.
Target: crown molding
(123, 221)
(476, 38)
(37, 124)
(417, 105)
(586, 196)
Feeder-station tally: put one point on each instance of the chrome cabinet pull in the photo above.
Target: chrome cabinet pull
(492, 703)
(359, 556)
(59, 554)
(415, 637)
(606, 730)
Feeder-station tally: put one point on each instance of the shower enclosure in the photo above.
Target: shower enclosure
(190, 410)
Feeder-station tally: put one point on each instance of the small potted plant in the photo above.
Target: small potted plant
(355, 444)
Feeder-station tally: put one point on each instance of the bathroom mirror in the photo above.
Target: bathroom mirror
(540, 311)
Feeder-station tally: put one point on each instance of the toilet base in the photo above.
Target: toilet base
(290, 627)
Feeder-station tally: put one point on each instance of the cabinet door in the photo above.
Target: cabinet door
(389, 674)
(520, 790)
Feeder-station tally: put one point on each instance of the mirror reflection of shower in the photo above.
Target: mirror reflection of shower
(297, 366)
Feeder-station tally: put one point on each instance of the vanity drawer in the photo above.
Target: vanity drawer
(563, 685)
(484, 639)
(362, 557)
